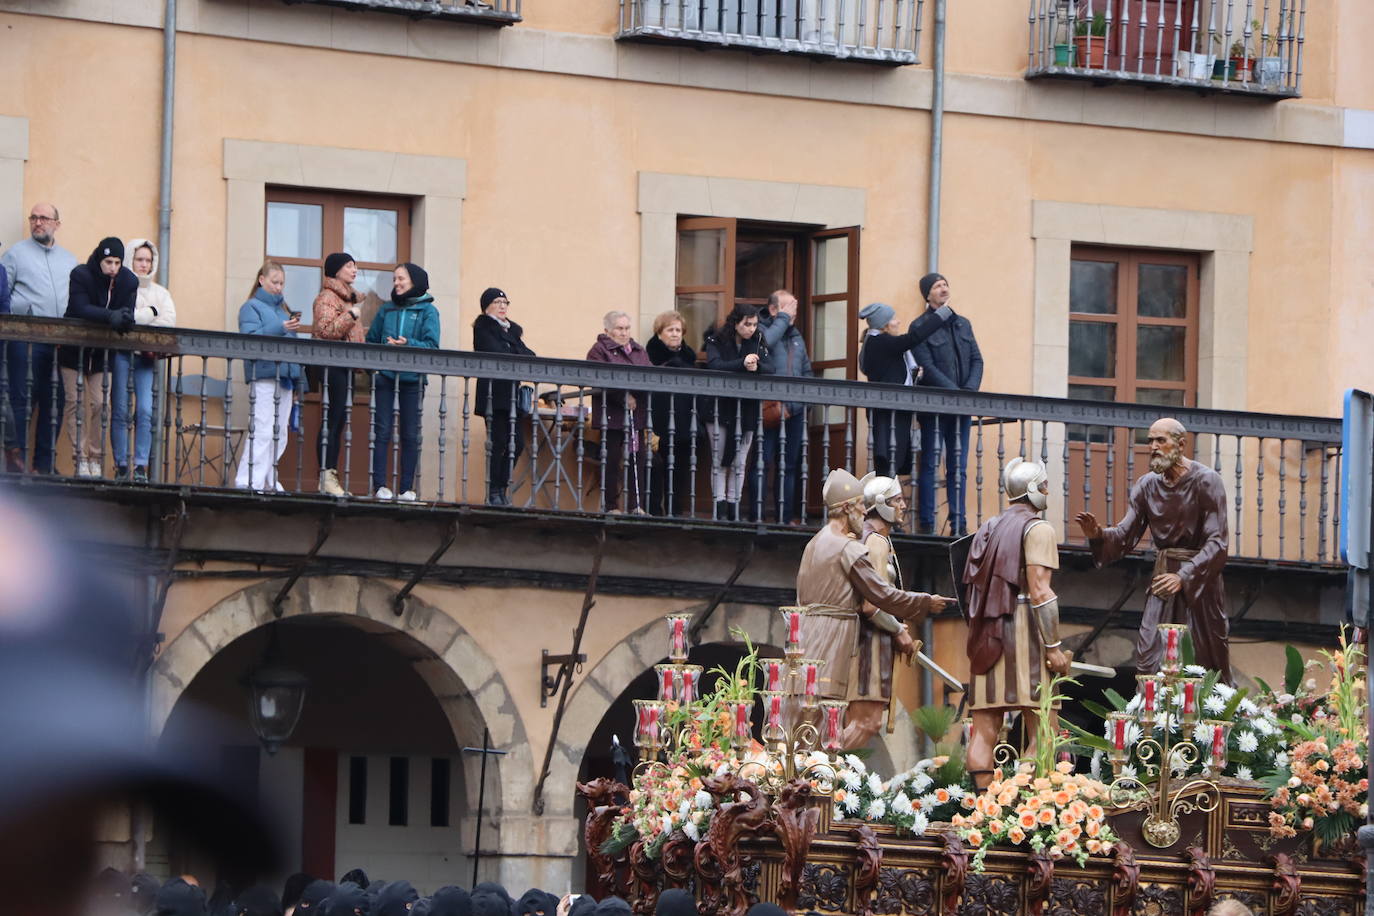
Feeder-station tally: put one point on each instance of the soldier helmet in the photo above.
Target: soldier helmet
(1022, 478)
(877, 492)
(841, 487)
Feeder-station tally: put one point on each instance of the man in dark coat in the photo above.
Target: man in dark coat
(499, 402)
(1183, 504)
(949, 358)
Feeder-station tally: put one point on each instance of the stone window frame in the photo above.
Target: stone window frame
(1225, 242)
(14, 152)
(438, 185)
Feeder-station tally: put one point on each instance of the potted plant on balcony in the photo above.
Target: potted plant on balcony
(1242, 64)
(1090, 37)
(1269, 69)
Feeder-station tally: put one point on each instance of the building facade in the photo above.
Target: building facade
(1125, 229)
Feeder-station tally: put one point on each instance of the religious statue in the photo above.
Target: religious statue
(884, 509)
(1183, 504)
(842, 594)
(1013, 614)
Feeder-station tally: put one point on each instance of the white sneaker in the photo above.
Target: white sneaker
(84, 469)
(407, 497)
(384, 493)
(329, 483)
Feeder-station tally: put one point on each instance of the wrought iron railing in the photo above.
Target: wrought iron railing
(1253, 47)
(684, 444)
(880, 31)
(482, 12)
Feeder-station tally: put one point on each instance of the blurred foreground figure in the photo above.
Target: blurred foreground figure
(75, 738)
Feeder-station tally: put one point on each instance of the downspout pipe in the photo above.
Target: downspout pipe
(937, 140)
(164, 193)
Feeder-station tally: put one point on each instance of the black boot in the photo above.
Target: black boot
(496, 496)
(722, 511)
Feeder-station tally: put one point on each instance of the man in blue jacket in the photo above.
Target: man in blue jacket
(951, 359)
(782, 439)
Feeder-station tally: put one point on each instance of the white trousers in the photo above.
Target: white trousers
(727, 482)
(271, 407)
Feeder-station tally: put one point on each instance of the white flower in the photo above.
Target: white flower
(919, 823)
(1247, 742)
(1284, 699)
(1135, 703)
(703, 799)
(1195, 670)
(1214, 704)
(921, 783)
(851, 780)
(1264, 726)
(923, 765)
(850, 803)
(690, 829)
(1248, 707)
(929, 802)
(955, 791)
(1095, 765)
(685, 808)
(902, 805)
(1226, 690)
(875, 784)
(667, 824)
(1202, 734)
(876, 809)
(1128, 770)
(1243, 772)
(854, 763)
(1281, 759)
(1297, 718)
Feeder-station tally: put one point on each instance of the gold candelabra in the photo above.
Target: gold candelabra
(1159, 757)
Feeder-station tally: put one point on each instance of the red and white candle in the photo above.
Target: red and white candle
(666, 688)
(1149, 695)
(743, 732)
(1119, 734)
(774, 669)
(687, 694)
(831, 732)
(775, 711)
(811, 679)
(793, 617)
(1189, 697)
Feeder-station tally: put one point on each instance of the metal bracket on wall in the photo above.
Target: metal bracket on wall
(325, 527)
(398, 604)
(567, 665)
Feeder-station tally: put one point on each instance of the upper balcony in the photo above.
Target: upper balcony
(577, 462)
(1249, 48)
(479, 12)
(875, 31)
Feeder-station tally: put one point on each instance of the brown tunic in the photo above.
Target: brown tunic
(834, 579)
(1190, 515)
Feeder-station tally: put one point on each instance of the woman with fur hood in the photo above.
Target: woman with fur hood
(154, 308)
(337, 315)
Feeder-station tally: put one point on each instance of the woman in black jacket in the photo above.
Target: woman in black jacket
(672, 417)
(885, 356)
(494, 332)
(736, 346)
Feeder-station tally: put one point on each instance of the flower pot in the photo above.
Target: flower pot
(1242, 68)
(1193, 66)
(1092, 51)
(1270, 71)
(1063, 55)
(1223, 69)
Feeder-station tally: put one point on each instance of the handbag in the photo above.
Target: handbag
(524, 400)
(774, 412)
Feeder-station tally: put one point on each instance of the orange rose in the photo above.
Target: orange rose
(974, 838)
(1016, 835)
(996, 827)
(1095, 811)
(1094, 846)
(1062, 838)
(942, 795)
(1046, 816)
(1061, 798)
(1027, 820)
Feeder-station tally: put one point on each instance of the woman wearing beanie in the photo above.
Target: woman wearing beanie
(154, 309)
(272, 384)
(408, 320)
(337, 310)
(105, 292)
(494, 332)
(736, 346)
(885, 356)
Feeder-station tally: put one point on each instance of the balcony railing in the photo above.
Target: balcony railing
(481, 12)
(589, 450)
(878, 31)
(1248, 47)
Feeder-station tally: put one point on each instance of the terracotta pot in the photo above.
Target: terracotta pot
(1092, 51)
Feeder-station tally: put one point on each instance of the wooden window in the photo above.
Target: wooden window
(398, 796)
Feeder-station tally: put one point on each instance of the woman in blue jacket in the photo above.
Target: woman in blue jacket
(272, 385)
(408, 320)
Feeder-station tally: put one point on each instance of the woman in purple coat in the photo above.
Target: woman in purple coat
(621, 417)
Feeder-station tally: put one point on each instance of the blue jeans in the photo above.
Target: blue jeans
(943, 427)
(388, 393)
(143, 409)
(34, 384)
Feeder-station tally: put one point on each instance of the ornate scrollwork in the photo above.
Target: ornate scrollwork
(1329, 906)
(676, 857)
(1076, 896)
(909, 890)
(643, 880)
(1287, 885)
(991, 895)
(870, 863)
(823, 887)
(1202, 881)
(1125, 880)
(1039, 881)
(794, 823)
(1158, 900)
(718, 858)
(955, 865)
(604, 798)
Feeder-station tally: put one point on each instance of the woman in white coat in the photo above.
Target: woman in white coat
(154, 309)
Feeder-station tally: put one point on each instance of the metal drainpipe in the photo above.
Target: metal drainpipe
(164, 194)
(937, 139)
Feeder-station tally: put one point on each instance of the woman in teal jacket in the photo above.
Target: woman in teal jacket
(408, 320)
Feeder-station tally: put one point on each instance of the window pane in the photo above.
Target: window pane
(699, 311)
(1077, 433)
(1165, 397)
(294, 230)
(1092, 349)
(370, 235)
(399, 794)
(700, 257)
(760, 268)
(1159, 353)
(831, 414)
(302, 284)
(357, 790)
(830, 328)
(832, 266)
(1163, 291)
(1092, 287)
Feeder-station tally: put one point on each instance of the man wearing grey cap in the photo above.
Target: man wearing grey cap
(951, 359)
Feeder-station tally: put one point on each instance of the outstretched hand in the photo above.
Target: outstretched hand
(943, 602)
(1088, 522)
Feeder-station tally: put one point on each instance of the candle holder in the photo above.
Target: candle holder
(773, 732)
(677, 637)
(792, 644)
(688, 684)
(809, 671)
(648, 728)
(1159, 757)
(1216, 756)
(665, 676)
(775, 673)
(832, 725)
(743, 728)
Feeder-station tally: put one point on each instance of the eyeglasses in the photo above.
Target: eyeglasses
(42, 219)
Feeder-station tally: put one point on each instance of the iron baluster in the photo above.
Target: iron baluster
(225, 470)
(252, 422)
(1032, 45)
(1001, 463)
(347, 482)
(443, 433)
(1065, 475)
(1302, 492)
(669, 457)
(1140, 20)
(372, 435)
(512, 422)
(1259, 499)
(1302, 30)
(805, 463)
(978, 472)
(581, 449)
(758, 477)
(1226, 46)
(1240, 492)
(850, 419)
(1283, 492)
(466, 445)
(692, 468)
(1178, 30)
(1114, 435)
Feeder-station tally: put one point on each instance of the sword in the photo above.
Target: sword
(1091, 670)
(925, 661)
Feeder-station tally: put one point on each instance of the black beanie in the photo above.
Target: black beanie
(395, 899)
(258, 901)
(419, 277)
(335, 263)
(490, 295)
(675, 902)
(177, 898)
(927, 282)
(449, 901)
(108, 248)
(314, 894)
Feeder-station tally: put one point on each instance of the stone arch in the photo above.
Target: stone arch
(643, 648)
(462, 676)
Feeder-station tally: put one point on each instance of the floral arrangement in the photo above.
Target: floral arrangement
(1040, 803)
(670, 798)
(1323, 787)
(929, 791)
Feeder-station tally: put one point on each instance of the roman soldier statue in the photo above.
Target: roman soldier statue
(1013, 614)
(842, 593)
